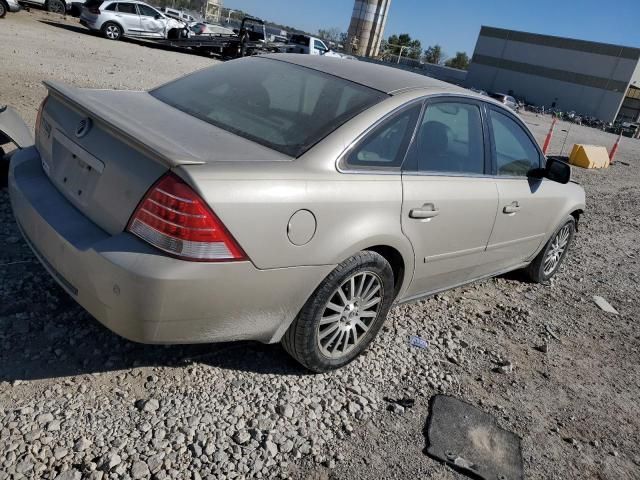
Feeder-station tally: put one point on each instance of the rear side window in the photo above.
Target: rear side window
(515, 153)
(111, 7)
(285, 107)
(127, 8)
(386, 145)
(450, 139)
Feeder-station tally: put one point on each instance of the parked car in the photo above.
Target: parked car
(202, 28)
(507, 100)
(290, 198)
(8, 6)
(55, 6)
(306, 45)
(132, 19)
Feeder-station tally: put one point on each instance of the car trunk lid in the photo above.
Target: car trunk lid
(104, 149)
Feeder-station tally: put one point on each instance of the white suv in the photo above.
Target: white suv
(130, 18)
(56, 6)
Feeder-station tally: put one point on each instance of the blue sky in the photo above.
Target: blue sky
(455, 24)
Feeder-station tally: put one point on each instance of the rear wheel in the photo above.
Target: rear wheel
(548, 261)
(56, 6)
(343, 315)
(3, 9)
(112, 31)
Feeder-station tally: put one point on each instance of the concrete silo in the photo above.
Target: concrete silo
(214, 10)
(367, 27)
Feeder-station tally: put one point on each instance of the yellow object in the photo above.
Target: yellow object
(589, 156)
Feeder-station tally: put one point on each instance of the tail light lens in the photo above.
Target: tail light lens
(175, 219)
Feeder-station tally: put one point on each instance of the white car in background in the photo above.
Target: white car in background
(55, 6)
(130, 19)
(306, 45)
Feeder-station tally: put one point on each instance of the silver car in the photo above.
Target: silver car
(130, 18)
(290, 198)
(8, 6)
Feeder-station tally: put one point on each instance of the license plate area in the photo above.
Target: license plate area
(74, 170)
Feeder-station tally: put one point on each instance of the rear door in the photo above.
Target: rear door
(523, 218)
(449, 197)
(151, 26)
(127, 15)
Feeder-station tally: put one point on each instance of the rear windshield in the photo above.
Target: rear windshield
(285, 107)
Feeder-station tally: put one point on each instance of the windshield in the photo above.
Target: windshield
(285, 107)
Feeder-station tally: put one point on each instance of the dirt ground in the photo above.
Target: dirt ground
(576, 407)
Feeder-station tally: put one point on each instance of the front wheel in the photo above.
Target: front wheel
(112, 31)
(3, 9)
(56, 6)
(343, 315)
(548, 261)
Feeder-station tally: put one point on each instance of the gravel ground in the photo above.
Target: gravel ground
(76, 401)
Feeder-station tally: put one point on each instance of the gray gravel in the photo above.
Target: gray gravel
(76, 401)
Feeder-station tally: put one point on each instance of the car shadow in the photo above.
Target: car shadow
(135, 41)
(44, 334)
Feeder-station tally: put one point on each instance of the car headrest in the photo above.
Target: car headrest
(434, 137)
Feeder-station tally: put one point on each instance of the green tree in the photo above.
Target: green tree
(396, 43)
(461, 61)
(332, 34)
(434, 54)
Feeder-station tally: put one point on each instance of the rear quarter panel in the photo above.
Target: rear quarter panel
(255, 200)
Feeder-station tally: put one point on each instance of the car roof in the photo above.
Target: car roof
(379, 77)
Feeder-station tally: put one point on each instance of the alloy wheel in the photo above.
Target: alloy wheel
(349, 314)
(112, 32)
(557, 249)
(55, 6)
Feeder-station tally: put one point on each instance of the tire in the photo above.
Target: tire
(334, 326)
(56, 6)
(3, 9)
(548, 261)
(112, 31)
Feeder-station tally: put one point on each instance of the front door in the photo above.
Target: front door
(127, 15)
(522, 222)
(449, 199)
(152, 23)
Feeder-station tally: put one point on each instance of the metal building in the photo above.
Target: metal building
(367, 27)
(589, 78)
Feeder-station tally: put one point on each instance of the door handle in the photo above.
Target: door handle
(511, 209)
(427, 211)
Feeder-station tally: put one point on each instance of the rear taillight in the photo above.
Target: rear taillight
(175, 219)
(94, 10)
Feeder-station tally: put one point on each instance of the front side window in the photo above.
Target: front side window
(450, 139)
(127, 8)
(515, 153)
(147, 11)
(386, 145)
(320, 46)
(285, 107)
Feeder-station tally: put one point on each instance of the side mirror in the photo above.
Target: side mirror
(158, 16)
(555, 170)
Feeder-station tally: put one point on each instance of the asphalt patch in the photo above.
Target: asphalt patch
(470, 441)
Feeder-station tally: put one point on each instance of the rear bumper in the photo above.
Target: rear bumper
(141, 294)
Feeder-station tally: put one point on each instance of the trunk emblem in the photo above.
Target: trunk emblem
(83, 127)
